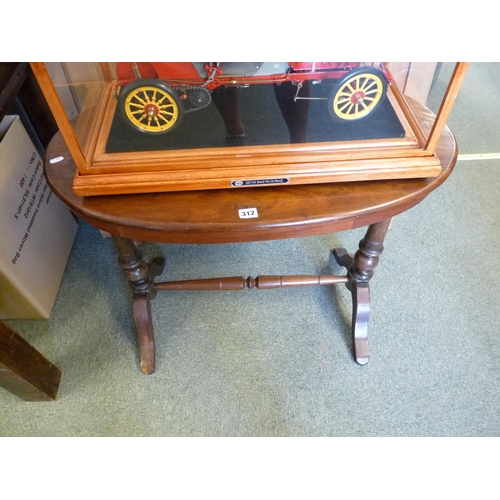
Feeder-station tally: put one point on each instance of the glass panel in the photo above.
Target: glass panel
(422, 84)
(172, 106)
(440, 82)
(81, 89)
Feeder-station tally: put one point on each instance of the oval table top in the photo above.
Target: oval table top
(212, 216)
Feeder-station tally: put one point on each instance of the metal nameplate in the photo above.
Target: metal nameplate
(260, 182)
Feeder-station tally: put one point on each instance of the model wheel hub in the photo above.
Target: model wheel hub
(358, 97)
(151, 110)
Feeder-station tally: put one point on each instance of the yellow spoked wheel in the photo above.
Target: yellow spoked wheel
(151, 107)
(357, 94)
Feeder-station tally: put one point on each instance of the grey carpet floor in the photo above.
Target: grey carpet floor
(278, 362)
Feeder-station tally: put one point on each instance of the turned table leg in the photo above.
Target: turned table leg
(360, 270)
(140, 276)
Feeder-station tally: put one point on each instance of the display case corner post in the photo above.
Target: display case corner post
(50, 93)
(446, 106)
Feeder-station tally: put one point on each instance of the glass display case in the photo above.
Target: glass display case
(152, 127)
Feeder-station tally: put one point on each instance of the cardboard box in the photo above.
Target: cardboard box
(37, 230)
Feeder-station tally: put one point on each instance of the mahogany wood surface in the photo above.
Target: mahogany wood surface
(212, 216)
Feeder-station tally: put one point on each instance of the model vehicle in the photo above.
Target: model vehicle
(153, 97)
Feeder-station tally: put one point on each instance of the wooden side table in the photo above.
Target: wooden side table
(213, 217)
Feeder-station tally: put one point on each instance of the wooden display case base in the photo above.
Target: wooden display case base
(150, 182)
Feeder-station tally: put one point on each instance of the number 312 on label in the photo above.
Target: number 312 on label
(248, 213)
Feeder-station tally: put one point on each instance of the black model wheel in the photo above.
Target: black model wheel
(357, 94)
(151, 106)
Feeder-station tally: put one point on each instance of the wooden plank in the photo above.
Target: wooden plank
(24, 371)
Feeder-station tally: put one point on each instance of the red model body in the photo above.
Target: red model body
(213, 75)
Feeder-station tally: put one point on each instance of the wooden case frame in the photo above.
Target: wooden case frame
(101, 173)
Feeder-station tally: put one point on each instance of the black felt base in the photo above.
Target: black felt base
(264, 124)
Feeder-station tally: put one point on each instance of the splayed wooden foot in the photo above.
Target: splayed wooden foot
(360, 268)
